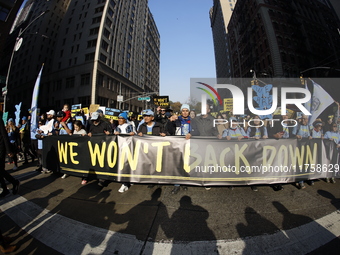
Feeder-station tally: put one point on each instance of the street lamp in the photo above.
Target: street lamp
(18, 43)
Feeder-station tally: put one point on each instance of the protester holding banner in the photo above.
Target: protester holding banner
(184, 124)
(329, 123)
(63, 128)
(258, 129)
(162, 118)
(98, 125)
(333, 135)
(171, 125)
(124, 129)
(205, 124)
(192, 114)
(234, 132)
(302, 130)
(222, 125)
(279, 131)
(317, 132)
(150, 127)
(79, 128)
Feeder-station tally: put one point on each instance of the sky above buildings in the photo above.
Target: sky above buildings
(186, 44)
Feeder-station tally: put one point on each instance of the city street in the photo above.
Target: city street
(60, 216)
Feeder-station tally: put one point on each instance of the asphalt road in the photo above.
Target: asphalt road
(60, 216)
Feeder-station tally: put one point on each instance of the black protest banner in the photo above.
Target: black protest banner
(198, 161)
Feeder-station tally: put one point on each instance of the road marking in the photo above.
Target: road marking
(68, 236)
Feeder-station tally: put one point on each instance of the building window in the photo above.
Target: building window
(94, 31)
(109, 83)
(84, 101)
(70, 82)
(96, 20)
(102, 101)
(106, 33)
(69, 101)
(103, 58)
(100, 80)
(105, 45)
(110, 12)
(113, 4)
(108, 22)
(99, 9)
(91, 43)
(3, 13)
(85, 79)
(89, 56)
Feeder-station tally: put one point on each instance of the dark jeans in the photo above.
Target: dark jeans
(5, 175)
(14, 148)
(26, 149)
(34, 147)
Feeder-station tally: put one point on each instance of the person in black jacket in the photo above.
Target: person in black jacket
(6, 149)
(150, 127)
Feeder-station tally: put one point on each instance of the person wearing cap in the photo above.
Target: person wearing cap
(124, 128)
(149, 126)
(98, 126)
(50, 117)
(316, 132)
(63, 127)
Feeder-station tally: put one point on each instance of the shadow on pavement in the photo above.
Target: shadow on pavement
(189, 223)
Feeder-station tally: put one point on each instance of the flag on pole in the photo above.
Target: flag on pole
(34, 105)
(308, 105)
(321, 100)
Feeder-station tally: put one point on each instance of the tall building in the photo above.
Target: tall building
(279, 38)
(220, 15)
(8, 13)
(40, 21)
(95, 51)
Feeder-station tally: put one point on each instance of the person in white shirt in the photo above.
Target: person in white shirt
(126, 129)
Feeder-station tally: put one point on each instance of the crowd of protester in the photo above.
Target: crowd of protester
(162, 122)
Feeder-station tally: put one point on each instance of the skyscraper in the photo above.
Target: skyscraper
(99, 50)
(220, 15)
(280, 38)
